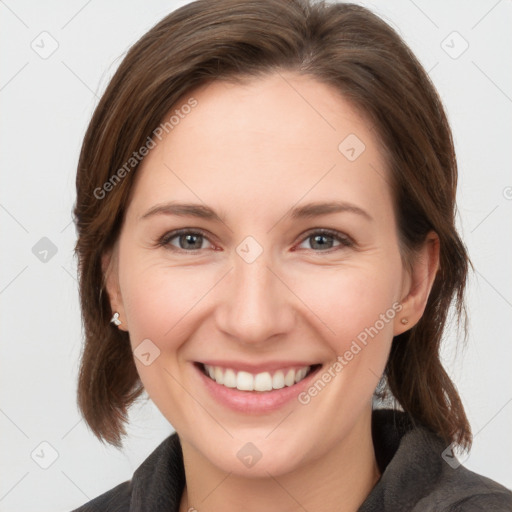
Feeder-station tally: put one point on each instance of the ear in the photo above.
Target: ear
(111, 280)
(418, 282)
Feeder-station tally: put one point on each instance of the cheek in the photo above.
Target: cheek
(160, 303)
(354, 313)
(158, 299)
(353, 305)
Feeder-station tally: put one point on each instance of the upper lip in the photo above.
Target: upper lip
(257, 368)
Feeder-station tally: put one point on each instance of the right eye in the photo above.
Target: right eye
(183, 240)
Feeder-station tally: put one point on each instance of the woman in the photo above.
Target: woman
(266, 242)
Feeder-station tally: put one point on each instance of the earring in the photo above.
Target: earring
(115, 319)
(404, 321)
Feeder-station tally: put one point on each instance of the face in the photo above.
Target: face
(260, 246)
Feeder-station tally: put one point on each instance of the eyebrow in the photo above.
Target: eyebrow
(317, 209)
(306, 211)
(183, 210)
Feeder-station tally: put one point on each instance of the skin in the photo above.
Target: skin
(253, 152)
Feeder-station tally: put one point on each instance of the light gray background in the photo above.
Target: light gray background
(46, 104)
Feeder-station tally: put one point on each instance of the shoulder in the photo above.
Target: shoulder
(114, 500)
(156, 484)
(446, 484)
(452, 486)
(420, 473)
(462, 490)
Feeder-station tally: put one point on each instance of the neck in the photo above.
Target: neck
(336, 481)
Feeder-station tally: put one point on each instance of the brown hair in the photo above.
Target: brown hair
(343, 45)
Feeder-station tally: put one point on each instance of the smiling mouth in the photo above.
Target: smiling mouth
(263, 381)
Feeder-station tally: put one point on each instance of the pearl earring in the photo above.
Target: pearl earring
(115, 319)
(404, 321)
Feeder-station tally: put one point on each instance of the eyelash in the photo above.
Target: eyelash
(345, 241)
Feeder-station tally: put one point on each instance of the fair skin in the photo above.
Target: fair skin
(253, 153)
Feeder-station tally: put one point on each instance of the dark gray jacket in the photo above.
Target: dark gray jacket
(415, 477)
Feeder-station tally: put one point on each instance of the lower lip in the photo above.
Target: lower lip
(254, 402)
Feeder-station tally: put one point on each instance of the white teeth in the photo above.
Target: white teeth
(289, 378)
(300, 374)
(219, 375)
(264, 381)
(230, 378)
(244, 381)
(278, 380)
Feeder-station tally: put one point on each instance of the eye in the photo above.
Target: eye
(187, 240)
(323, 239)
(184, 240)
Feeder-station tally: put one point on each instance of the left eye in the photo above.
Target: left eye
(323, 240)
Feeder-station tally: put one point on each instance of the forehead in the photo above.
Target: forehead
(267, 142)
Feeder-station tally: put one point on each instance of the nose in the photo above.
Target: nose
(256, 304)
